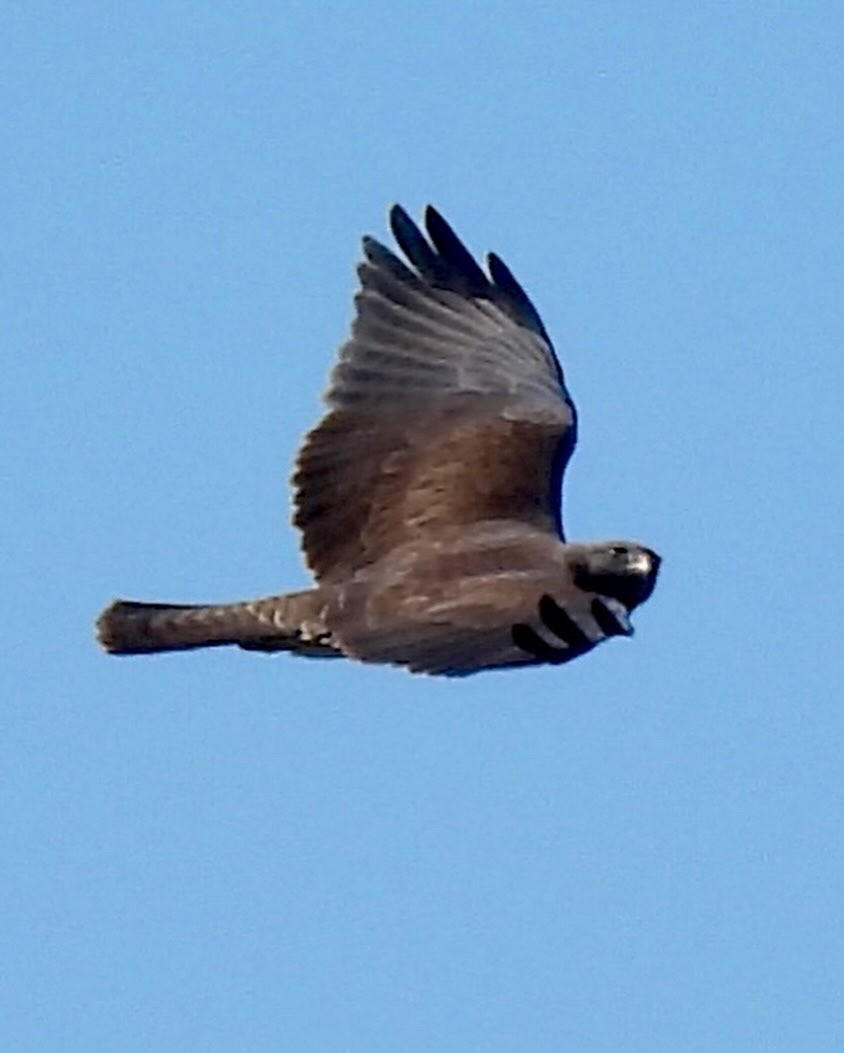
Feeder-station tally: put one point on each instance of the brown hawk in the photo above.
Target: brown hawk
(429, 495)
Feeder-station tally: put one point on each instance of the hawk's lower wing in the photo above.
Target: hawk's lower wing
(505, 623)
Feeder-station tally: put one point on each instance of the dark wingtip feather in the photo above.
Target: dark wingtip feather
(455, 254)
(446, 263)
(381, 256)
(413, 244)
(504, 280)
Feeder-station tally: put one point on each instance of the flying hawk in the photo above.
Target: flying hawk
(429, 495)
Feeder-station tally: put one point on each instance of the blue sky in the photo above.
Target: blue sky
(218, 851)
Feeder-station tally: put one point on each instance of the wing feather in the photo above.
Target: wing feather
(447, 406)
(452, 609)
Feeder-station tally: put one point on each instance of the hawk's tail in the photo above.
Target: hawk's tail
(292, 622)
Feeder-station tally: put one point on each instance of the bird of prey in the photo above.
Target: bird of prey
(429, 495)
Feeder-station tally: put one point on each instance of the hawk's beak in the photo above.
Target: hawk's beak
(645, 562)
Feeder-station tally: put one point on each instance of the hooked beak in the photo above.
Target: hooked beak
(645, 562)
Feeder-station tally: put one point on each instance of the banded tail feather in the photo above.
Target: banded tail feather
(577, 631)
(291, 622)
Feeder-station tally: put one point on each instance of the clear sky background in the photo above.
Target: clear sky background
(223, 851)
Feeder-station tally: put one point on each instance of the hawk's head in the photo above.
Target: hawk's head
(624, 570)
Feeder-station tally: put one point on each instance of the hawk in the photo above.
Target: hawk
(429, 495)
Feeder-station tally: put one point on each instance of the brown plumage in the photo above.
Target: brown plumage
(429, 495)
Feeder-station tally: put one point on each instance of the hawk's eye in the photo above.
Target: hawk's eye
(618, 550)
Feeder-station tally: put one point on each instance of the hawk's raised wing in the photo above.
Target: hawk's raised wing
(447, 407)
